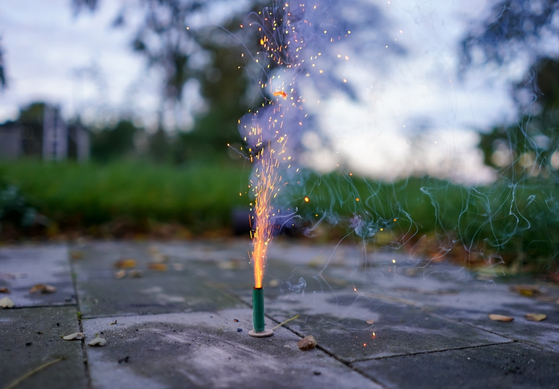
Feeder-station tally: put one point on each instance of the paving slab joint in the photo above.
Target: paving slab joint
(79, 317)
(433, 351)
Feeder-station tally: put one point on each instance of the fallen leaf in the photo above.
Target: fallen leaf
(77, 254)
(307, 343)
(178, 266)
(159, 258)
(125, 263)
(135, 273)
(98, 342)
(5, 302)
(74, 336)
(535, 316)
(113, 323)
(370, 321)
(157, 266)
(120, 274)
(502, 318)
(527, 290)
(42, 288)
(545, 298)
(4, 290)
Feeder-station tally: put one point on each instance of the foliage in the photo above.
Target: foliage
(14, 208)
(516, 224)
(513, 27)
(71, 194)
(113, 142)
(3, 81)
(519, 32)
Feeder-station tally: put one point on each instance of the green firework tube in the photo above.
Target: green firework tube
(258, 309)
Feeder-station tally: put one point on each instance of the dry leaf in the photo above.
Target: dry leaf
(307, 343)
(42, 288)
(135, 273)
(157, 266)
(502, 318)
(535, 316)
(74, 336)
(5, 302)
(77, 254)
(527, 290)
(178, 266)
(120, 274)
(4, 290)
(98, 342)
(125, 263)
(370, 321)
(159, 258)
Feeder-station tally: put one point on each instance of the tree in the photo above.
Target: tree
(113, 142)
(172, 39)
(520, 31)
(2, 69)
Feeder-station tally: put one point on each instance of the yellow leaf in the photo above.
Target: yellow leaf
(5, 302)
(74, 336)
(535, 316)
(157, 266)
(502, 318)
(527, 290)
(42, 288)
(125, 263)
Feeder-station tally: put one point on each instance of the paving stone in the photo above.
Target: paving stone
(397, 329)
(23, 267)
(30, 338)
(542, 334)
(101, 294)
(512, 365)
(207, 349)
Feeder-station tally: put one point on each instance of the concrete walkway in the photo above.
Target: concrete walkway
(177, 315)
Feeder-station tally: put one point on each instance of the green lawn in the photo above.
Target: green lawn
(502, 221)
(93, 194)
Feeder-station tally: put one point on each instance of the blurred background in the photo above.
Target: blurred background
(439, 117)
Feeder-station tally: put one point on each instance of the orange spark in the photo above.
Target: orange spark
(307, 199)
(266, 189)
(281, 93)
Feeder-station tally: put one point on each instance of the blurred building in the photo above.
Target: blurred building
(42, 132)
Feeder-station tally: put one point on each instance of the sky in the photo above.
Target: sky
(412, 117)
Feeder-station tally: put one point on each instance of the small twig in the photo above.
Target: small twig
(280, 324)
(27, 375)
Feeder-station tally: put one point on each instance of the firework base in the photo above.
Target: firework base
(261, 334)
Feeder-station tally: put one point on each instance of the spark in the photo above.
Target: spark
(307, 199)
(281, 93)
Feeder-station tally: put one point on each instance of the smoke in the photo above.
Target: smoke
(387, 231)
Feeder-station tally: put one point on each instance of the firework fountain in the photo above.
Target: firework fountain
(292, 35)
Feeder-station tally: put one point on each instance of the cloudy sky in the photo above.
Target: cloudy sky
(414, 117)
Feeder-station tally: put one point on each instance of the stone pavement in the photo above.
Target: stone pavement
(381, 320)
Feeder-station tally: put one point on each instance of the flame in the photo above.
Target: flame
(265, 188)
(281, 93)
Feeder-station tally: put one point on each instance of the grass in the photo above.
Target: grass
(92, 194)
(502, 222)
